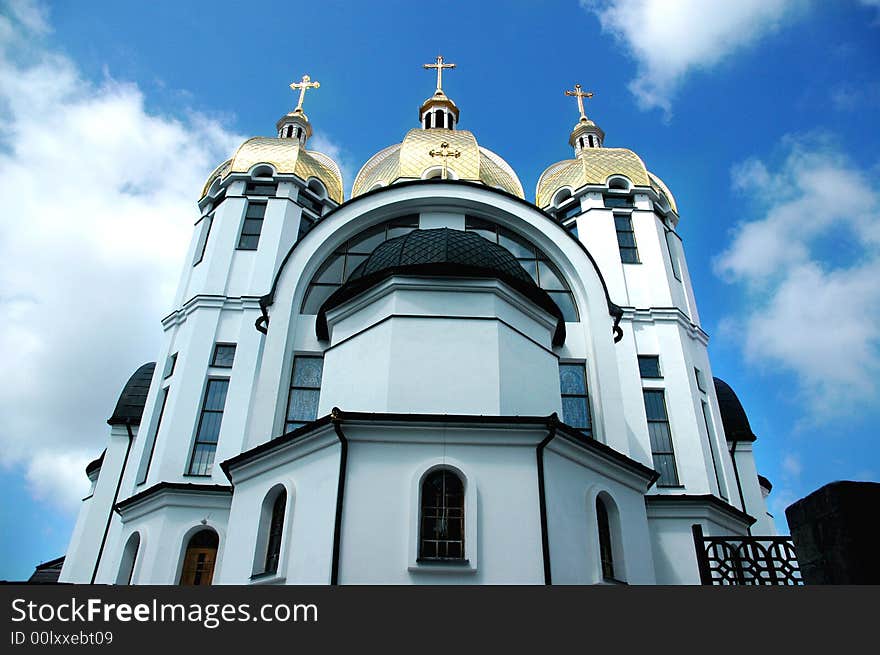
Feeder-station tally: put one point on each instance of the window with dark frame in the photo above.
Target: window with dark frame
(570, 209)
(575, 399)
(170, 363)
(606, 555)
(661, 437)
(626, 239)
(532, 259)
(712, 450)
(204, 233)
(337, 268)
(208, 430)
(276, 530)
(619, 202)
(260, 189)
(441, 535)
(224, 355)
(649, 367)
(252, 225)
(305, 391)
(310, 202)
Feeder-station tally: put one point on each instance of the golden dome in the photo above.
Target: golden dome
(286, 156)
(595, 166)
(410, 160)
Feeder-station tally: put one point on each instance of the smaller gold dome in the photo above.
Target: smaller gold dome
(287, 156)
(410, 160)
(595, 166)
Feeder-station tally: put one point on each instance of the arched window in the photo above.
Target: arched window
(427, 120)
(337, 268)
(439, 118)
(532, 259)
(199, 558)
(276, 530)
(591, 140)
(581, 141)
(606, 552)
(129, 558)
(441, 524)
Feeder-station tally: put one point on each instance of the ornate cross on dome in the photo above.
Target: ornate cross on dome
(446, 153)
(580, 95)
(439, 66)
(303, 85)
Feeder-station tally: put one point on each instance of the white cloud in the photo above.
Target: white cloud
(670, 38)
(810, 268)
(98, 198)
(791, 465)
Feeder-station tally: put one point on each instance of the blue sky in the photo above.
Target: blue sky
(760, 116)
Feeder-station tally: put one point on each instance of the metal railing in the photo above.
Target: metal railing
(746, 560)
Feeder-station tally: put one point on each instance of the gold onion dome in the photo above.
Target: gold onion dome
(593, 164)
(437, 149)
(286, 153)
(411, 160)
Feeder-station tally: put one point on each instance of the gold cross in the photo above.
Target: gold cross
(446, 153)
(306, 83)
(439, 66)
(580, 95)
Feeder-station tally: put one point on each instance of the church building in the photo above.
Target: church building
(436, 380)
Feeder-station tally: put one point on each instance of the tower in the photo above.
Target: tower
(433, 380)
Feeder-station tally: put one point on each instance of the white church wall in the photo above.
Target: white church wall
(573, 482)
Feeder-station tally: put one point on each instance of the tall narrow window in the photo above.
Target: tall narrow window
(170, 363)
(209, 427)
(428, 120)
(712, 451)
(606, 554)
(673, 254)
(626, 239)
(441, 534)
(305, 390)
(252, 226)
(575, 400)
(199, 558)
(438, 118)
(142, 476)
(276, 529)
(129, 559)
(224, 355)
(204, 227)
(661, 437)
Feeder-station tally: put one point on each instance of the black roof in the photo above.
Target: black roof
(733, 416)
(47, 572)
(442, 252)
(130, 406)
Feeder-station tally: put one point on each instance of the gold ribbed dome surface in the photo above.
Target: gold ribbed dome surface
(410, 159)
(286, 156)
(595, 166)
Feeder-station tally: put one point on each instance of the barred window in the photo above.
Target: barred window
(338, 267)
(533, 260)
(208, 431)
(441, 534)
(661, 437)
(575, 400)
(252, 225)
(305, 391)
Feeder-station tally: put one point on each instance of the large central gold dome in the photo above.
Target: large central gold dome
(411, 160)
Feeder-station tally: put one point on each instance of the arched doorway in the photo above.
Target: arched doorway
(198, 561)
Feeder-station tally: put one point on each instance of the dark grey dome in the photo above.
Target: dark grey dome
(443, 252)
(733, 416)
(130, 406)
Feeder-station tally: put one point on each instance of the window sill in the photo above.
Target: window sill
(267, 578)
(453, 566)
